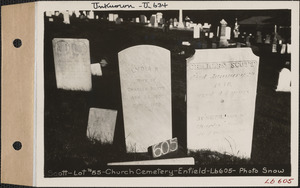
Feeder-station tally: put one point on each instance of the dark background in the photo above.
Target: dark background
(265, 101)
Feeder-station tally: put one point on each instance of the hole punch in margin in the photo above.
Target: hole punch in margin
(17, 145)
(17, 43)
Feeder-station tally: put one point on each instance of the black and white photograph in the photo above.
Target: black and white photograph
(205, 91)
(165, 93)
(150, 93)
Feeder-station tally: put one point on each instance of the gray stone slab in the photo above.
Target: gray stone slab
(173, 161)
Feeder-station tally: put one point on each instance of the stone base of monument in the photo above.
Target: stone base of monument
(180, 25)
(173, 161)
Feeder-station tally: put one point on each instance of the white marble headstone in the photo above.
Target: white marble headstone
(96, 69)
(72, 64)
(48, 13)
(284, 81)
(228, 33)
(288, 48)
(66, 17)
(145, 73)
(110, 17)
(196, 33)
(77, 13)
(91, 14)
(221, 94)
(101, 125)
(137, 20)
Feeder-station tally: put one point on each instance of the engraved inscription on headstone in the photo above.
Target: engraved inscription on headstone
(146, 95)
(221, 94)
(101, 125)
(72, 64)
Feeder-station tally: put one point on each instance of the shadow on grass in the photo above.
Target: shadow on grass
(207, 157)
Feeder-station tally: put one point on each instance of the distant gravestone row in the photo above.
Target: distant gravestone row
(221, 94)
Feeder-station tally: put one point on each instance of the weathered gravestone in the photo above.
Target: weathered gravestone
(72, 64)
(101, 125)
(96, 69)
(221, 93)
(171, 161)
(146, 96)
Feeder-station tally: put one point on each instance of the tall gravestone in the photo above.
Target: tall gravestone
(221, 94)
(146, 96)
(72, 64)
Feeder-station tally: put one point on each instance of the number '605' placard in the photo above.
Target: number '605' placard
(164, 148)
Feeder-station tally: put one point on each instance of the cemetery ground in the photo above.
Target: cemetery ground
(66, 112)
(271, 141)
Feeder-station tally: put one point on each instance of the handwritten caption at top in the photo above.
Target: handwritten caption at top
(144, 5)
